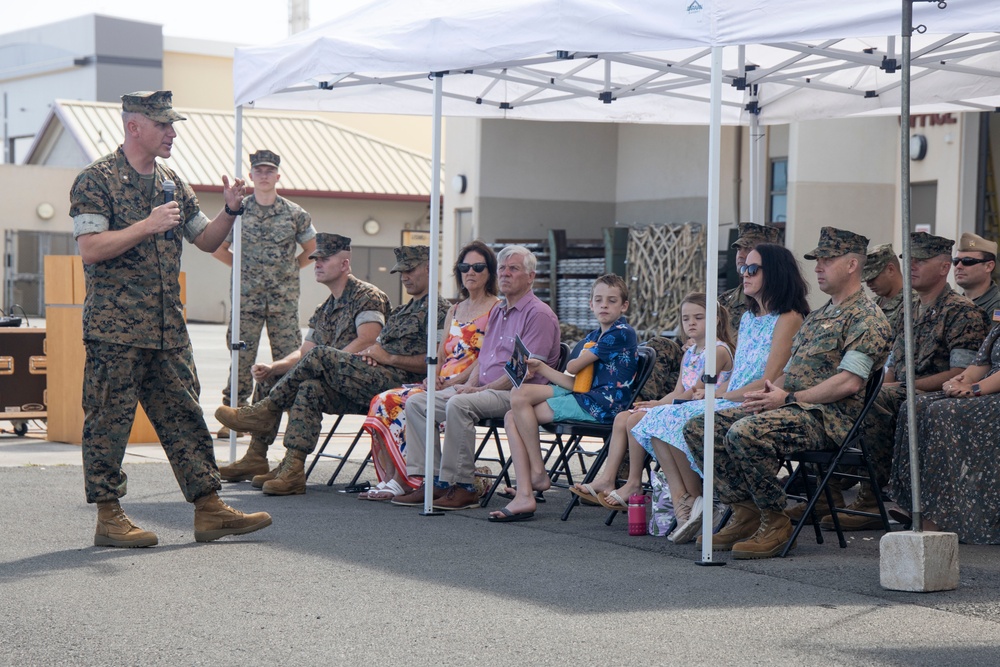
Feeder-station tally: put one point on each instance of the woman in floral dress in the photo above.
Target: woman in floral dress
(476, 276)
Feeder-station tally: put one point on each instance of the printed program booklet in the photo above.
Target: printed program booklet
(517, 365)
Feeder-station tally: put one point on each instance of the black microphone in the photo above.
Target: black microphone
(168, 196)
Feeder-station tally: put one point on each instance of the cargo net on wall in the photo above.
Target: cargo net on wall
(665, 262)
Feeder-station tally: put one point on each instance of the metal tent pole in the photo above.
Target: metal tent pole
(904, 184)
(711, 304)
(432, 300)
(235, 343)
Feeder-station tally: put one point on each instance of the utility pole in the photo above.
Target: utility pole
(298, 16)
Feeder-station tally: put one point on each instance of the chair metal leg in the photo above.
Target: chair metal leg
(322, 448)
(347, 454)
(589, 476)
(361, 469)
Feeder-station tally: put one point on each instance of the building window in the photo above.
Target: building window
(779, 190)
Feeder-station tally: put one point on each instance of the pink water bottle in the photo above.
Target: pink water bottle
(637, 522)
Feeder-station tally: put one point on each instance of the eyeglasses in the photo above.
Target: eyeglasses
(968, 261)
(750, 269)
(478, 267)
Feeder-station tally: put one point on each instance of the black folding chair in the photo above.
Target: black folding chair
(575, 432)
(342, 458)
(829, 464)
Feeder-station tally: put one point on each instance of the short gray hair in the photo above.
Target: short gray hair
(530, 261)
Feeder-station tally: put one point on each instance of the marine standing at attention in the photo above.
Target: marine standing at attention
(273, 227)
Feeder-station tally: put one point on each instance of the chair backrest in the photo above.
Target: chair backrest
(647, 360)
(871, 393)
(563, 357)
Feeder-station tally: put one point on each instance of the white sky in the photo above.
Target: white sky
(241, 22)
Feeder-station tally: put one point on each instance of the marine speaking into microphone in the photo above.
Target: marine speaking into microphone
(169, 187)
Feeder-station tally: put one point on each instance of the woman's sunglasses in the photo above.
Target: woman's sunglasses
(478, 267)
(750, 269)
(968, 261)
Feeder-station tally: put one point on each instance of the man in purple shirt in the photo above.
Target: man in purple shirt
(487, 393)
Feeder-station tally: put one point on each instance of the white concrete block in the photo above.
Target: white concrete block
(919, 562)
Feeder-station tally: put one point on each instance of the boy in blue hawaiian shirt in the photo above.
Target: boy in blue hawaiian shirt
(608, 355)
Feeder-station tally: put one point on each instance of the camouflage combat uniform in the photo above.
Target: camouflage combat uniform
(134, 333)
(327, 380)
(269, 282)
(735, 303)
(892, 308)
(335, 322)
(947, 334)
(749, 448)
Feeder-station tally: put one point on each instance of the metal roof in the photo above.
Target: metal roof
(317, 157)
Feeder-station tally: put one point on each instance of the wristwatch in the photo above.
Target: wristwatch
(976, 391)
(789, 397)
(233, 213)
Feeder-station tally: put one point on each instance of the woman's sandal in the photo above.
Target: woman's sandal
(381, 486)
(391, 490)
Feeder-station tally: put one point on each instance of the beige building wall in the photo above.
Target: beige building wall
(662, 174)
(841, 173)
(537, 176)
(32, 186)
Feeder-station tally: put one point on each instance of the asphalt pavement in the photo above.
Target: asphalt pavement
(340, 581)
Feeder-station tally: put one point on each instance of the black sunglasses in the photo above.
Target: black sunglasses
(750, 269)
(478, 267)
(968, 261)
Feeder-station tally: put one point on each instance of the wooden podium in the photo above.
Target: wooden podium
(64, 295)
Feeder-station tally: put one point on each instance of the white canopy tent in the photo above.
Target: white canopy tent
(628, 61)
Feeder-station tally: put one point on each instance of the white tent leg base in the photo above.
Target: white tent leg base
(919, 562)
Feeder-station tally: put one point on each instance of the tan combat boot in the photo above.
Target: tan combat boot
(769, 540)
(253, 463)
(742, 524)
(261, 417)
(821, 510)
(224, 433)
(291, 478)
(214, 519)
(865, 502)
(115, 529)
(258, 480)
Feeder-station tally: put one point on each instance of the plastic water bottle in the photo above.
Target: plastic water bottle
(637, 514)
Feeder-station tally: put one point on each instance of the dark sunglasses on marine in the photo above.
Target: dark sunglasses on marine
(478, 267)
(750, 269)
(968, 261)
